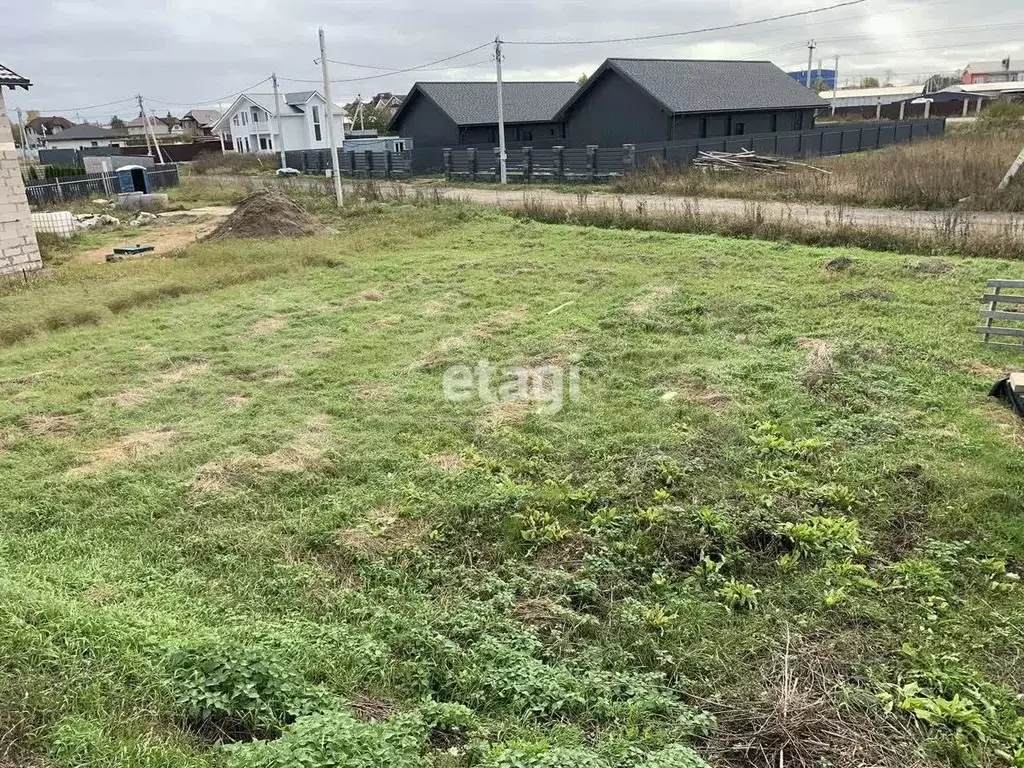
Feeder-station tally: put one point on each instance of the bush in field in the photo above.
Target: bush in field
(1004, 112)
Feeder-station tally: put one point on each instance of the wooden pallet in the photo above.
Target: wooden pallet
(1004, 303)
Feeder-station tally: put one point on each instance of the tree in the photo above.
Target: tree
(16, 131)
(170, 121)
(820, 85)
(31, 114)
(582, 79)
(869, 82)
(116, 123)
(938, 82)
(374, 118)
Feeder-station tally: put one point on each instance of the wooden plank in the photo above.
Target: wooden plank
(992, 308)
(1006, 283)
(1013, 317)
(999, 298)
(993, 331)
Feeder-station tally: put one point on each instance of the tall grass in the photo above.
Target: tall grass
(958, 169)
(950, 234)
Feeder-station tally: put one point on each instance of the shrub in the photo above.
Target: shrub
(236, 692)
(1003, 111)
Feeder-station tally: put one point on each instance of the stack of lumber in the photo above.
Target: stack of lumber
(747, 160)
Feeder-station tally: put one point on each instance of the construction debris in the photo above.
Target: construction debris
(747, 160)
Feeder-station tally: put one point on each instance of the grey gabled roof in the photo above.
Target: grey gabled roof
(476, 103)
(695, 85)
(86, 131)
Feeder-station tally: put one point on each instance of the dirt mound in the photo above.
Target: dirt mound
(267, 213)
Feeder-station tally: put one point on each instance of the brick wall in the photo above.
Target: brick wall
(19, 251)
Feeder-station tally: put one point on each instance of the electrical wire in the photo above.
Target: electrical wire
(84, 109)
(389, 72)
(420, 66)
(230, 96)
(664, 35)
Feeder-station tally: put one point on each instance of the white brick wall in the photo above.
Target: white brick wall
(18, 249)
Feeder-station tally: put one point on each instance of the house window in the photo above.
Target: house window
(775, 123)
(255, 114)
(246, 139)
(234, 120)
(265, 142)
(552, 132)
(703, 134)
(317, 132)
(94, 143)
(738, 129)
(245, 118)
(399, 146)
(527, 135)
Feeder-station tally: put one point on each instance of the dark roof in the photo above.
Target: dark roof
(47, 124)
(298, 97)
(86, 131)
(12, 79)
(203, 116)
(476, 103)
(695, 85)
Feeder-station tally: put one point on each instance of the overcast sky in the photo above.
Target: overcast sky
(82, 54)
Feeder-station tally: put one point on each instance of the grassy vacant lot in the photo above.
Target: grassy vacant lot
(779, 526)
(927, 175)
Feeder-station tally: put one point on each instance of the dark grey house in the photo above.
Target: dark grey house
(634, 101)
(466, 114)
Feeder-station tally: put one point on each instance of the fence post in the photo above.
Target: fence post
(527, 164)
(351, 158)
(860, 139)
(387, 163)
(559, 161)
(471, 157)
(628, 157)
(592, 162)
(497, 165)
(60, 192)
(447, 154)
(368, 154)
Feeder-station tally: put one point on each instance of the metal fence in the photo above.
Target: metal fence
(60, 190)
(595, 163)
(369, 163)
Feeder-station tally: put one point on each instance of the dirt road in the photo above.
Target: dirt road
(809, 213)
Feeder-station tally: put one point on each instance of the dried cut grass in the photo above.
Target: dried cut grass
(447, 462)
(799, 715)
(504, 415)
(371, 709)
(130, 398)
(266, 326)
(131, 448)
(50, 424)
(820, 368)
(653, 297)
(383, 533)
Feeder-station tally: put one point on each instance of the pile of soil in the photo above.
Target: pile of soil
(267, 213)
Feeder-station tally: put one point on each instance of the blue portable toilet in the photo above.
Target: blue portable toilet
(133, 178)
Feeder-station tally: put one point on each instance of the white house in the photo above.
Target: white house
(85, 135)
(250, 123)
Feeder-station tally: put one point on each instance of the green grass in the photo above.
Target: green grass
(236, 504)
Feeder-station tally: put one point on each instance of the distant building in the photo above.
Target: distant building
(452, 114)
(826, 76)
(86, 135)
(866, 102)
(633, 101)
(199, 122)
(978, 72)
(250, 123)
(39, 129)
(161, 126)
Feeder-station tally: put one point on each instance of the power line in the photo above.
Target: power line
(388, 73)
(664, 35)
(208, 101)
(85, 109)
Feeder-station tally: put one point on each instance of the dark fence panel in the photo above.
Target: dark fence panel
(355, 163)
(60, 191)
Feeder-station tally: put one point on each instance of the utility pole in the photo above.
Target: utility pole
(335, 166)
(277, 110)
(359, 111)
(835, 87)
(501, 113)
(810, 60)
(149, 125)
(145, 129)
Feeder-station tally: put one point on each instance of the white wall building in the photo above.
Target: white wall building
(84, 136)
(250, 123)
